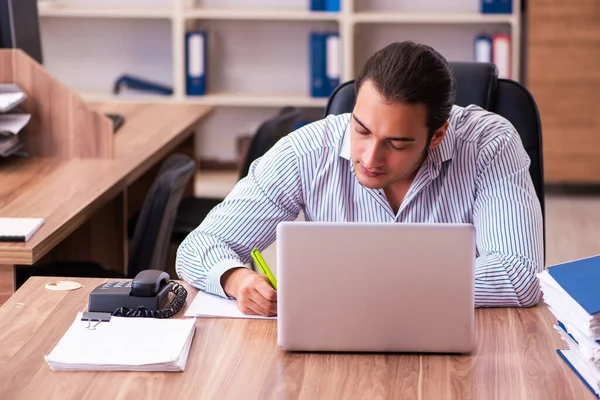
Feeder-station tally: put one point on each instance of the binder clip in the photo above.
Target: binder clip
(95, 317)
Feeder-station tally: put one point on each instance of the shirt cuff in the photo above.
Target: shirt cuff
(213, 278)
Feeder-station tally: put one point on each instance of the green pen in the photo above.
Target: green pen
(260, 261)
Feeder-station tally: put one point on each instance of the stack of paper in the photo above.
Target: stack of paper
(571, 292)
(11, 120)
(124, 344)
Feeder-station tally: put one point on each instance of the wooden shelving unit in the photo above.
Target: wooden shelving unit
(258, 51)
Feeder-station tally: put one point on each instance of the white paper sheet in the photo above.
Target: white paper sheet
(13, 123)
(11, 96)
(208, 305)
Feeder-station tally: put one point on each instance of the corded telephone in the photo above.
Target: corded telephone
(144, 296)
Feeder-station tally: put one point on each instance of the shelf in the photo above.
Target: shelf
(61, 10)
(432, 18)
(261, 15)
(99, 96)
(258, 100)
(224, 99)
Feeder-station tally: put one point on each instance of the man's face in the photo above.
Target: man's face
(388, 142)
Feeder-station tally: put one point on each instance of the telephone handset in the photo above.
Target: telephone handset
(144, 296)
(148, 283)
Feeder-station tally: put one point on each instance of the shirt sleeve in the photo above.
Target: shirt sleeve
(247, 218)
(509, 226)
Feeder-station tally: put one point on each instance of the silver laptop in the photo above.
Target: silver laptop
(375, 287)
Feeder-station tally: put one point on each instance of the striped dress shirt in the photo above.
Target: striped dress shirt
(479, 174)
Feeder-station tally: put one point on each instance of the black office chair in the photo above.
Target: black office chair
(151, 239)
(193, 210)
(478, 83)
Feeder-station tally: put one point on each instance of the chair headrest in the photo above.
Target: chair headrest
(476, 83)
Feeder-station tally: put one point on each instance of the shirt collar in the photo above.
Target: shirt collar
(345, 146)
(436, 157)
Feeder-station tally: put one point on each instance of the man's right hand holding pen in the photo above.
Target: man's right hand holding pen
(253, 291)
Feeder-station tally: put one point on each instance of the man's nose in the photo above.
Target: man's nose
(371, 156)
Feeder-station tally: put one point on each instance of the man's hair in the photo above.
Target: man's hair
(410, 73)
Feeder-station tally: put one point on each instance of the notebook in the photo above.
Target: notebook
(18, 229)
(124, 344)
(209, 305)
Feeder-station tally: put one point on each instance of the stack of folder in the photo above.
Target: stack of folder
(571, 292)
(495, 48)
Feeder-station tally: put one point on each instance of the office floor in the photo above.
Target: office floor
(572, 231)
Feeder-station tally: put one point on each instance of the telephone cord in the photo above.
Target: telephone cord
(173, 308)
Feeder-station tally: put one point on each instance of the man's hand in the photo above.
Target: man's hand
(253, 292)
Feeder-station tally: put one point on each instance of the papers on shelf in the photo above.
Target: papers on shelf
(13, 123)
(11, 96)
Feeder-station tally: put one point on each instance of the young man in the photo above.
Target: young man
(405, 154)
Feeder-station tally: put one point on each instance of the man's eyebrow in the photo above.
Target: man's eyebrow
(401, 139)
(360, 123)
(395, 139)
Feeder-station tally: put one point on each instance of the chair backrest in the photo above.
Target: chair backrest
(268, 134)
(152, 237)
(478, 83)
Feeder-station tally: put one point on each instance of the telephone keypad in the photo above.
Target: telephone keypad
(116, 284)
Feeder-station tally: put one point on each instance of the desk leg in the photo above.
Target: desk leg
(7, 282)
(102, 238)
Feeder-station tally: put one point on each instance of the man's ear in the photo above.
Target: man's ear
(439, 135)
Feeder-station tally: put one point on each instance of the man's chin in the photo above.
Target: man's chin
(370, 183)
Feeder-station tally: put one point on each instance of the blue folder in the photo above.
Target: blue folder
(332, 5)
(195, 62)
(565, 359)
(496, 6)
(483, 48)
(141, 84)
(318, 65)
(580, 279)
(317, 5)
(332, 62)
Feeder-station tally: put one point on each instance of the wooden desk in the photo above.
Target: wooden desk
(82, 200)
(515, 359)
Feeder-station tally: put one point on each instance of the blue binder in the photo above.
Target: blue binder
(195, 62)
(317, 5)
(318, 84)
(496, 6)
(141, 84)
(483, 49)
(580, 279)
(586, 383)
(332, 5)
(333, 61)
